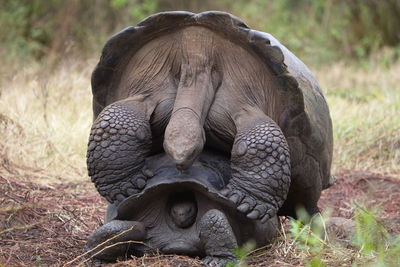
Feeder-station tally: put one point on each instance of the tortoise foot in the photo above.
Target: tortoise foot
(254, 208)
(218, 238)
(260, 166)
(120, 140)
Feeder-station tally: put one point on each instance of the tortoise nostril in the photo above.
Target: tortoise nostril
(181, 211)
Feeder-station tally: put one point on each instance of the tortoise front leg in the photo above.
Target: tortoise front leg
(116, 240)
(217, 236)
(119, 141)
(260, 166)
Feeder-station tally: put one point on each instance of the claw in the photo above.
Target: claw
(225, 192)
(265, 218)
(271, 213)
(109, 199)
(207, 260)
(250, 201)
(262, 209)
(253, 215)
(244, 207)
(235, 198)
(148, 173)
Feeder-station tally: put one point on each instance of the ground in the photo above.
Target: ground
(47, 225)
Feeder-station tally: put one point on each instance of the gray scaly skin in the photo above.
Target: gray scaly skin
(218, 238)
(260, 166)
(117, 235)
(118, 144)
(215, 235)
(210, 82)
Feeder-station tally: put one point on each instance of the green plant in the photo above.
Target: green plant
(308, 233)
(137, 9)
(38, 261)
(324, 30)
(241, 254)
(373, 239)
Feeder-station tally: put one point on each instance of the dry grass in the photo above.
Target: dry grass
(365, 108)
(45, 117)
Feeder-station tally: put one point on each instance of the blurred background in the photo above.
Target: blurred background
(48, 49)
(318, 30)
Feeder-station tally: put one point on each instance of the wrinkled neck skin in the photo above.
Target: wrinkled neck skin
(184, 136)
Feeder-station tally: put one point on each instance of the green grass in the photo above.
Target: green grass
(314, 244)
(365, 107)
(371, 244)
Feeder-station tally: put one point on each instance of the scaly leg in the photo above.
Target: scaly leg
(218, 238)
(260, 166)
(119, 141)
(113, 240)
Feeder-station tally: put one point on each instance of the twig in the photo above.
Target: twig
(21, 227)
(114, 245)
(101, 244)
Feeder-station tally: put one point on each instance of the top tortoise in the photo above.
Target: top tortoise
(187, 82)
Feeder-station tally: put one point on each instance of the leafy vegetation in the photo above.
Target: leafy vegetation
(313, 243)
(371, 240)
(330, 29)
(242, 255)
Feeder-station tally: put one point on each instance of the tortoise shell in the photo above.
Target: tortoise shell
(296, 103)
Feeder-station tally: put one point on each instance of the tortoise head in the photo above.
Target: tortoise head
(183, 209)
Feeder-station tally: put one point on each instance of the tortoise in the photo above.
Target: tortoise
(180, 212)
(183, 83)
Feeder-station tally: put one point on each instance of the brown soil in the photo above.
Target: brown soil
(47, 225)
(365, 189)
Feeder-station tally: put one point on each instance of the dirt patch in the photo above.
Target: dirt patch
(366, 189)
(47, 225)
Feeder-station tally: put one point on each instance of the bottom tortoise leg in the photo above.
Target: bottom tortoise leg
(218, 238)
(115, 240)
(119, 141)
(260, 166)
